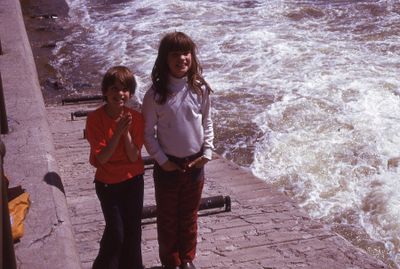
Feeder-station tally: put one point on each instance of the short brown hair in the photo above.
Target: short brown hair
(119, 73)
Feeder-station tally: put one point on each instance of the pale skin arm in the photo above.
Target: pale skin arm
(122, 130)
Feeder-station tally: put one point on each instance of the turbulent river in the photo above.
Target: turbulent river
(306, 93)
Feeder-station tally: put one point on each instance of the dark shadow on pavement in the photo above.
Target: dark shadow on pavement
(53, 179)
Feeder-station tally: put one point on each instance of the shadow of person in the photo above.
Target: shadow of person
(53, 179)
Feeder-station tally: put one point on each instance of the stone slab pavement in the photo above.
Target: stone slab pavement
(265, 228)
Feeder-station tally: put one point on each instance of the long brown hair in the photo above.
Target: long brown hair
(176, 41)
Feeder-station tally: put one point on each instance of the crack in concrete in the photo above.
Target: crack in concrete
(18, 261)
(44, 237)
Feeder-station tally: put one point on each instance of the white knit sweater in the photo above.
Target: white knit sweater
(181, 126)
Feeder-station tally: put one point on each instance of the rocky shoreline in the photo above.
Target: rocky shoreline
(41, 21)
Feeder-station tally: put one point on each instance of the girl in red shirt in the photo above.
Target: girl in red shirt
(115, 134)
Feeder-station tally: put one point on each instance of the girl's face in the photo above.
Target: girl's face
(117, 95)
(179, 63)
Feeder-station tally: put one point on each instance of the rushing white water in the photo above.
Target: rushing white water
(306, 93)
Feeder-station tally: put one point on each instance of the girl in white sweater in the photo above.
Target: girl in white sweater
(179, 136)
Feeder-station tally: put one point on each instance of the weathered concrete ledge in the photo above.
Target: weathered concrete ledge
(48, 241)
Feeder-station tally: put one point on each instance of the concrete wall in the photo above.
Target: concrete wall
(48, 240)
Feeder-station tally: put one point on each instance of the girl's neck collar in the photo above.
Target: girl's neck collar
(175, 80)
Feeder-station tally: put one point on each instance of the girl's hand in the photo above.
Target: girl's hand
(123, 124)
(128, 119)
(170, 166)
(201, 163)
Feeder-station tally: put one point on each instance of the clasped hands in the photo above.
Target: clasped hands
(197, 163)
(124, 121)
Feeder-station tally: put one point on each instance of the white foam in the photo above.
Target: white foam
(331, 68)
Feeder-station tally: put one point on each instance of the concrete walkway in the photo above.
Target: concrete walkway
(265, 229)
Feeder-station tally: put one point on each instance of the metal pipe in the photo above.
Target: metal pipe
(149, 212)
(216, 202)
(82, 99)
(205, 203)
(79, 113)
(148, 160)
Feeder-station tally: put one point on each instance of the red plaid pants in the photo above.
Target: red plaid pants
(178, 197)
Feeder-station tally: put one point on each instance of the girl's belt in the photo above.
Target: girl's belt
(185, 162)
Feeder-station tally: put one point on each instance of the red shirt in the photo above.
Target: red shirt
(99, 129)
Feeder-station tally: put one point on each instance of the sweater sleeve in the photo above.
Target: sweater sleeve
(150, 121)
(207, 126)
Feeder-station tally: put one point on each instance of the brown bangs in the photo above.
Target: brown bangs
(178, 41)
(121, 74)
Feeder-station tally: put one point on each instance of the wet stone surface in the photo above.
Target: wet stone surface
(265, 228)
